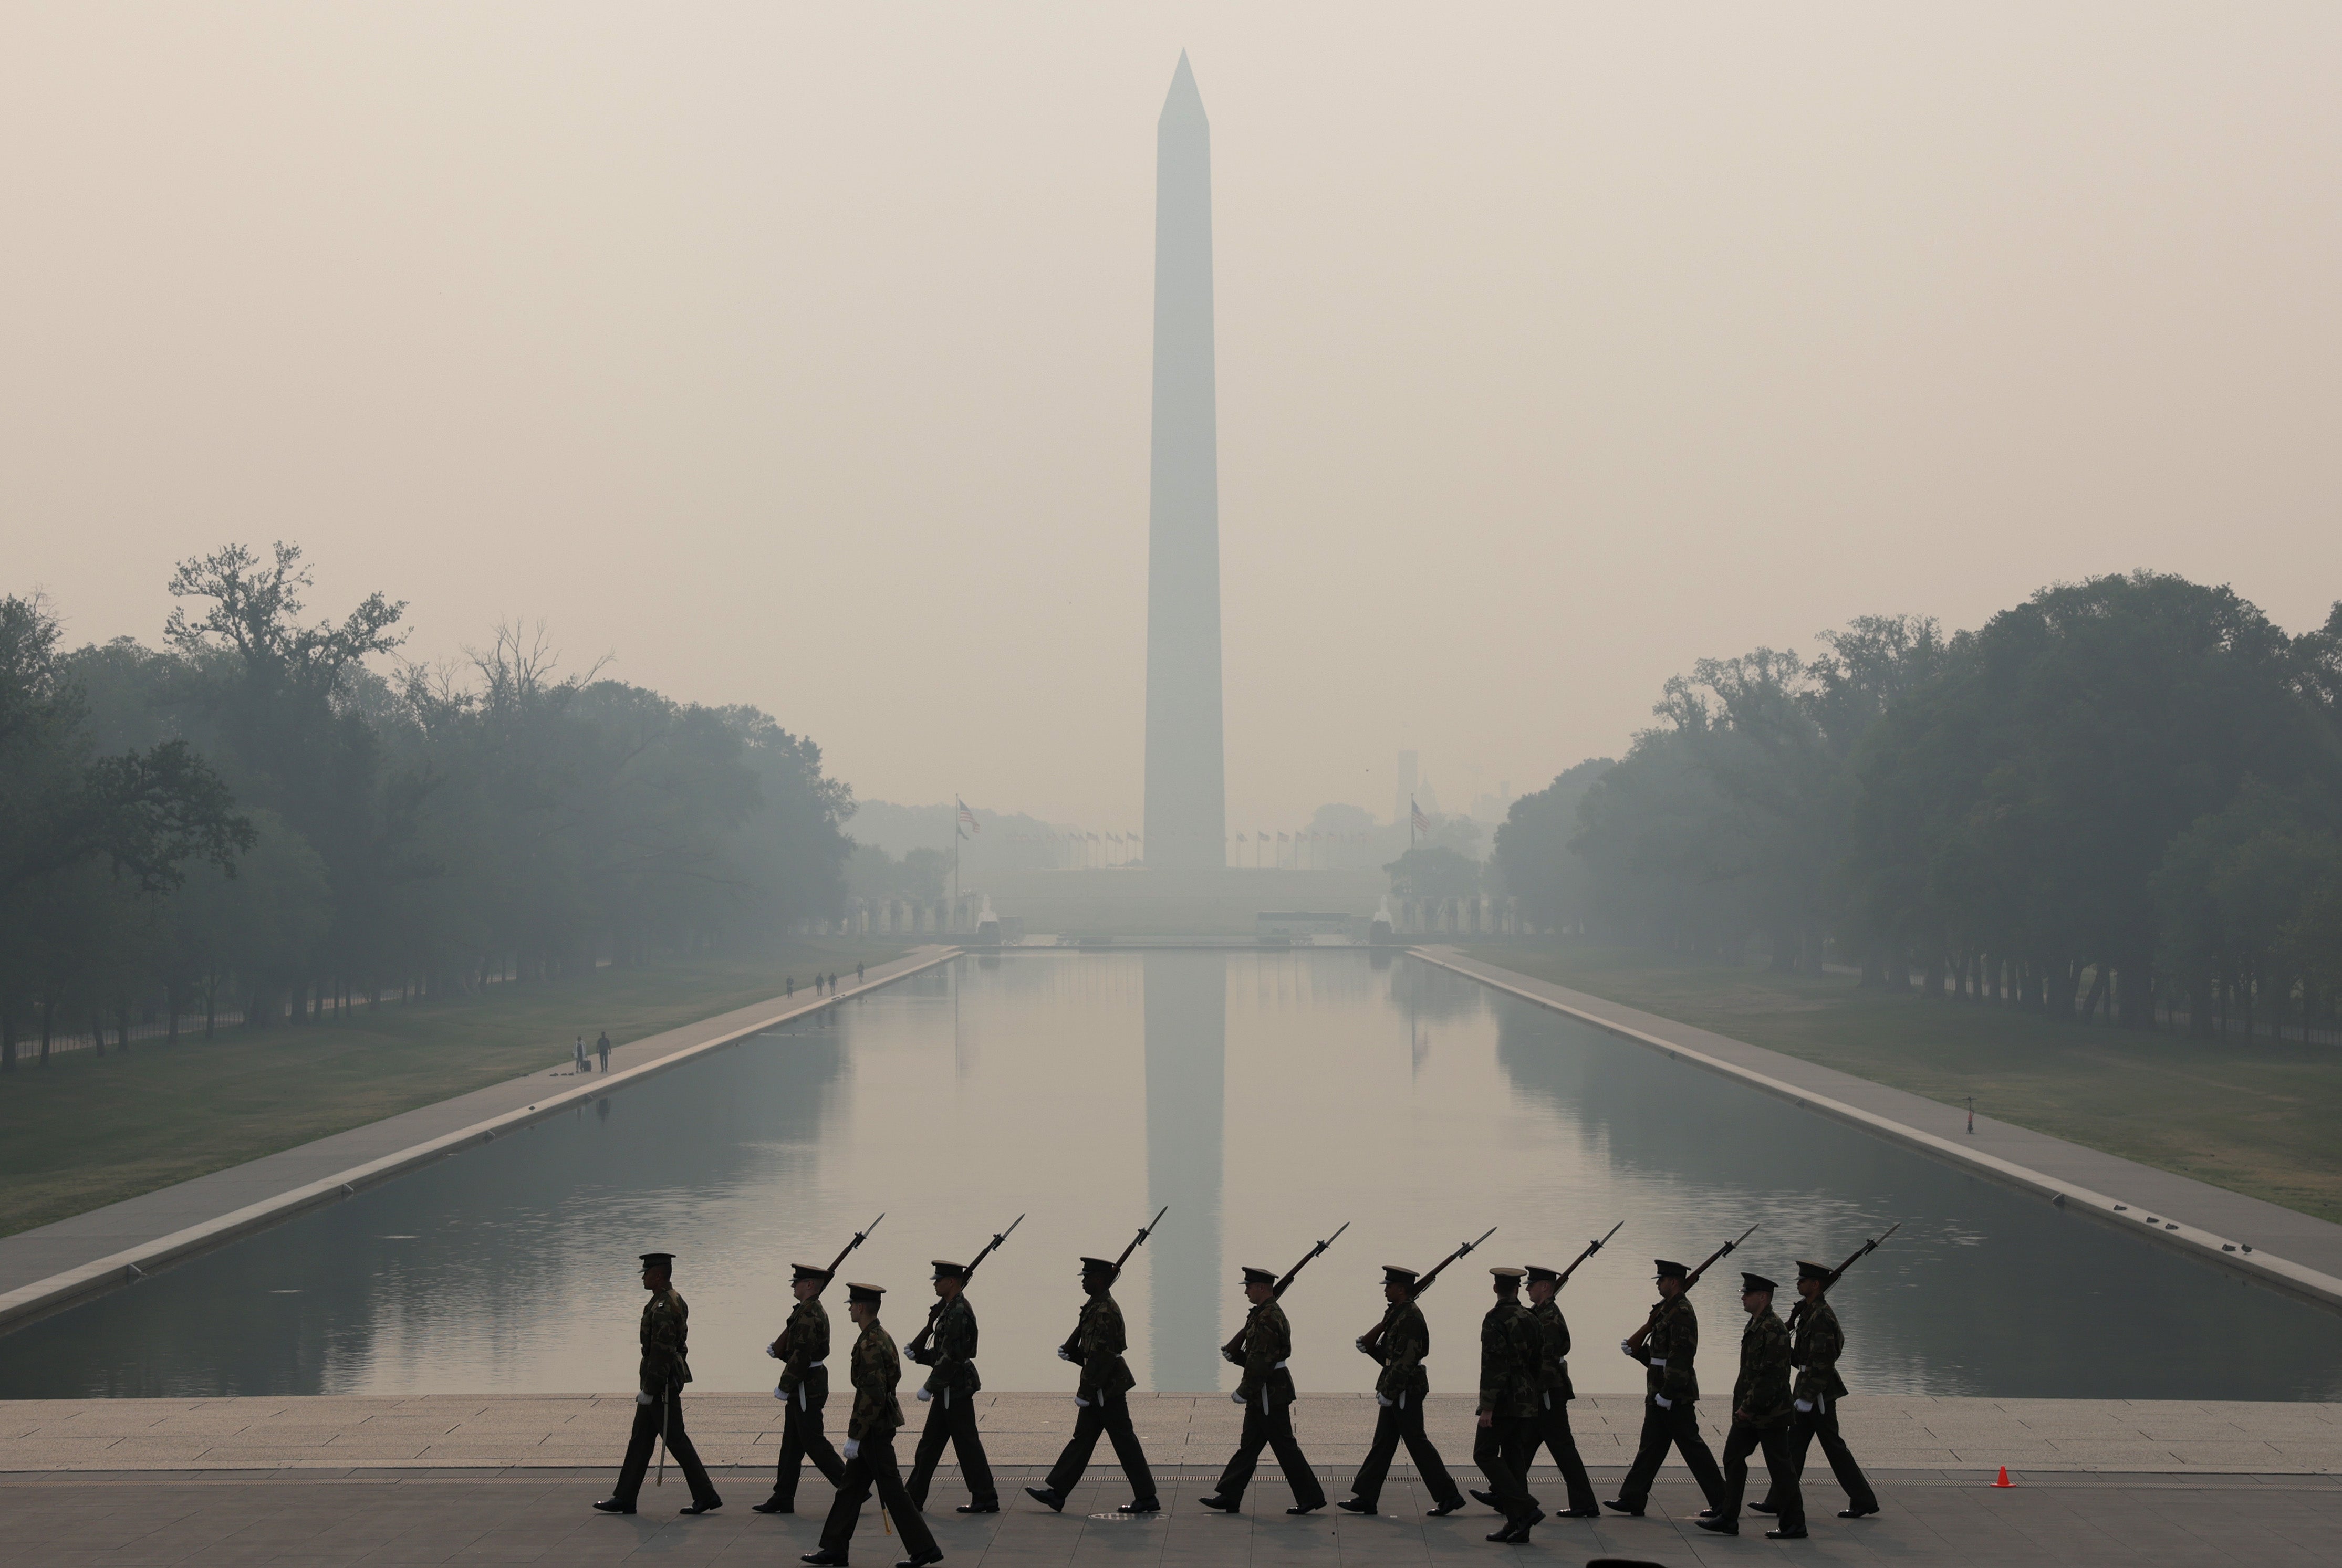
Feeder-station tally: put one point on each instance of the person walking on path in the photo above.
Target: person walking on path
(803, 1350)
(1103, 1399)
(1760, 1419)
(1555, 1393)
(1512, 1353)
(1267, 1393)
(1670, 1397)
(857, 972)
(602, 1048)
(577, 1056)
(658, 1395)
(949, 1395)
(875, 1367)
(1399, 1391)
(1816, 1342)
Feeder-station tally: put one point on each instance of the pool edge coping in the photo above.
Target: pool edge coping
(2283, 1275)
(68, 1287)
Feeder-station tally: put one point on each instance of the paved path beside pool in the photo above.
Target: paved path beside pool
(1954, 1437)
(30, 1259)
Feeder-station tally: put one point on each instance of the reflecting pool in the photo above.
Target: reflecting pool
(1266, 1098)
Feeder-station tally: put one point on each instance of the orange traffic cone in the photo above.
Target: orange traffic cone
(2004, 1480)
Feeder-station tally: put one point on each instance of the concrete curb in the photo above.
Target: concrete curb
(2278, 1273)
(60, 1290)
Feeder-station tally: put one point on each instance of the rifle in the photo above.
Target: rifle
(917, 1349)
(1074, 1340)
(1233, 1349)
(1666, 1308)
(1373, 1337)
(1838, 1273)
(1591, 1248)
(839, 1261)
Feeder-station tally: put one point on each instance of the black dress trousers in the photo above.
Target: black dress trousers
(1678, 1424)
(873, 1467)
(1268, 1423)
(1743, 1440)
(1394, 1424)
(1821, 1421)
(1503, 1450)
(801, 1438)
(1110, 1415)
(951, 1418)
(1554, 1433)
(644, 1439)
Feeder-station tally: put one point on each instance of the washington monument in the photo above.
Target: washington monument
(1186, 779)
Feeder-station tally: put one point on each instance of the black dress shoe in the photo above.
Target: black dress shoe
(1512, 1535)
(1856, 1512)
(921, 1558)
(773, 1506)
(989, 1505)
(1443, 1510)
(1487, 1500)
(1141, 1505)
(1704, 1513)
(1054, 1501)
(1307, 1507)
(1720, 1526)
(824, 1558)
(1224, 1505)
(1765, 1508)
(1354, 1505)
(1784, 1535)
(1631, 1510)
(699, 1508)
(1579, 1513)
(612, 1505)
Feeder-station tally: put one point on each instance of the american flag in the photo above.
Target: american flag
(1421, 824)
(968, 816)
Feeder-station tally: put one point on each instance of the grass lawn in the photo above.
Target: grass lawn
(2262, 1118)
(83, 1132)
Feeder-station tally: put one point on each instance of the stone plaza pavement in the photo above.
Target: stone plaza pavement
(501, 1480)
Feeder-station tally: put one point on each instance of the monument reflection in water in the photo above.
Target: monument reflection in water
(1265, 1097)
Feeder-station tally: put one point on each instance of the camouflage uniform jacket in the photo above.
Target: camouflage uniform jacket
(1512, 1354)
(1670, 1350)
(1401, 1350)
(805, 1339)
(951, 1352)
(1100, 1347)
(1816, 1344)
(1268, 1343)
(876, 1369)
(1554, 1379)
(666, 1323)
(1761, 1395)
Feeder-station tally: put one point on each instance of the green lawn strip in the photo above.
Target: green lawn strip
(84, 1132)
(2263, 1118)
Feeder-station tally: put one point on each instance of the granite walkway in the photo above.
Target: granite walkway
(118, 1231)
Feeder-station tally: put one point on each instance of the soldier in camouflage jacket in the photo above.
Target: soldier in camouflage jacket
(802, 1350)
(1815, 1344)
(874, 1368)
(665, 1368)
(1399, 1391)
(950, 1396)
(1671, 1396)
(1555, 1393)
(1266, 1392)
(1512, 1371)
(1098, 1347)
(1760, 1419)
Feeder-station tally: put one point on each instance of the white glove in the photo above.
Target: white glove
(1063, 1354)
(925, 1396)
(1663, 1402)
(853, 1447)
(771, 1351)
(1383, 1402)
(780, 1393)
(1236, 1398)
(1080, 1401)
(642, 1399)
(1627, 1346)
(1804, 1405)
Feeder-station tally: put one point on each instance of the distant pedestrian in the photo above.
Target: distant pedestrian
(858, 973)
(603, 1047)
(577, 1055)
(833, 983)
(789, 987)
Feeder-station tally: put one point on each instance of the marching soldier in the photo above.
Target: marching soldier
(1103, 1396)
(658, 1396)
(803, 1349)
(1816, 1341)
(1760, 1419)
(949, 1395)
(874, 1369)
(1671, 1397)
(1512, 1357)
(1399, 1391)
(1266, 1392)
(1555, 1393)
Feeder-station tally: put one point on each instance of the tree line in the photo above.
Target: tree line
(280, 818)
(2119, 800)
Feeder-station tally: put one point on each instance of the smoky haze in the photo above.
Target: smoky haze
(798, 357)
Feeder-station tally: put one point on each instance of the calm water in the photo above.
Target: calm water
(1266, 1098)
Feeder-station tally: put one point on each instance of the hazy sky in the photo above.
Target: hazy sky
(797, 355)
